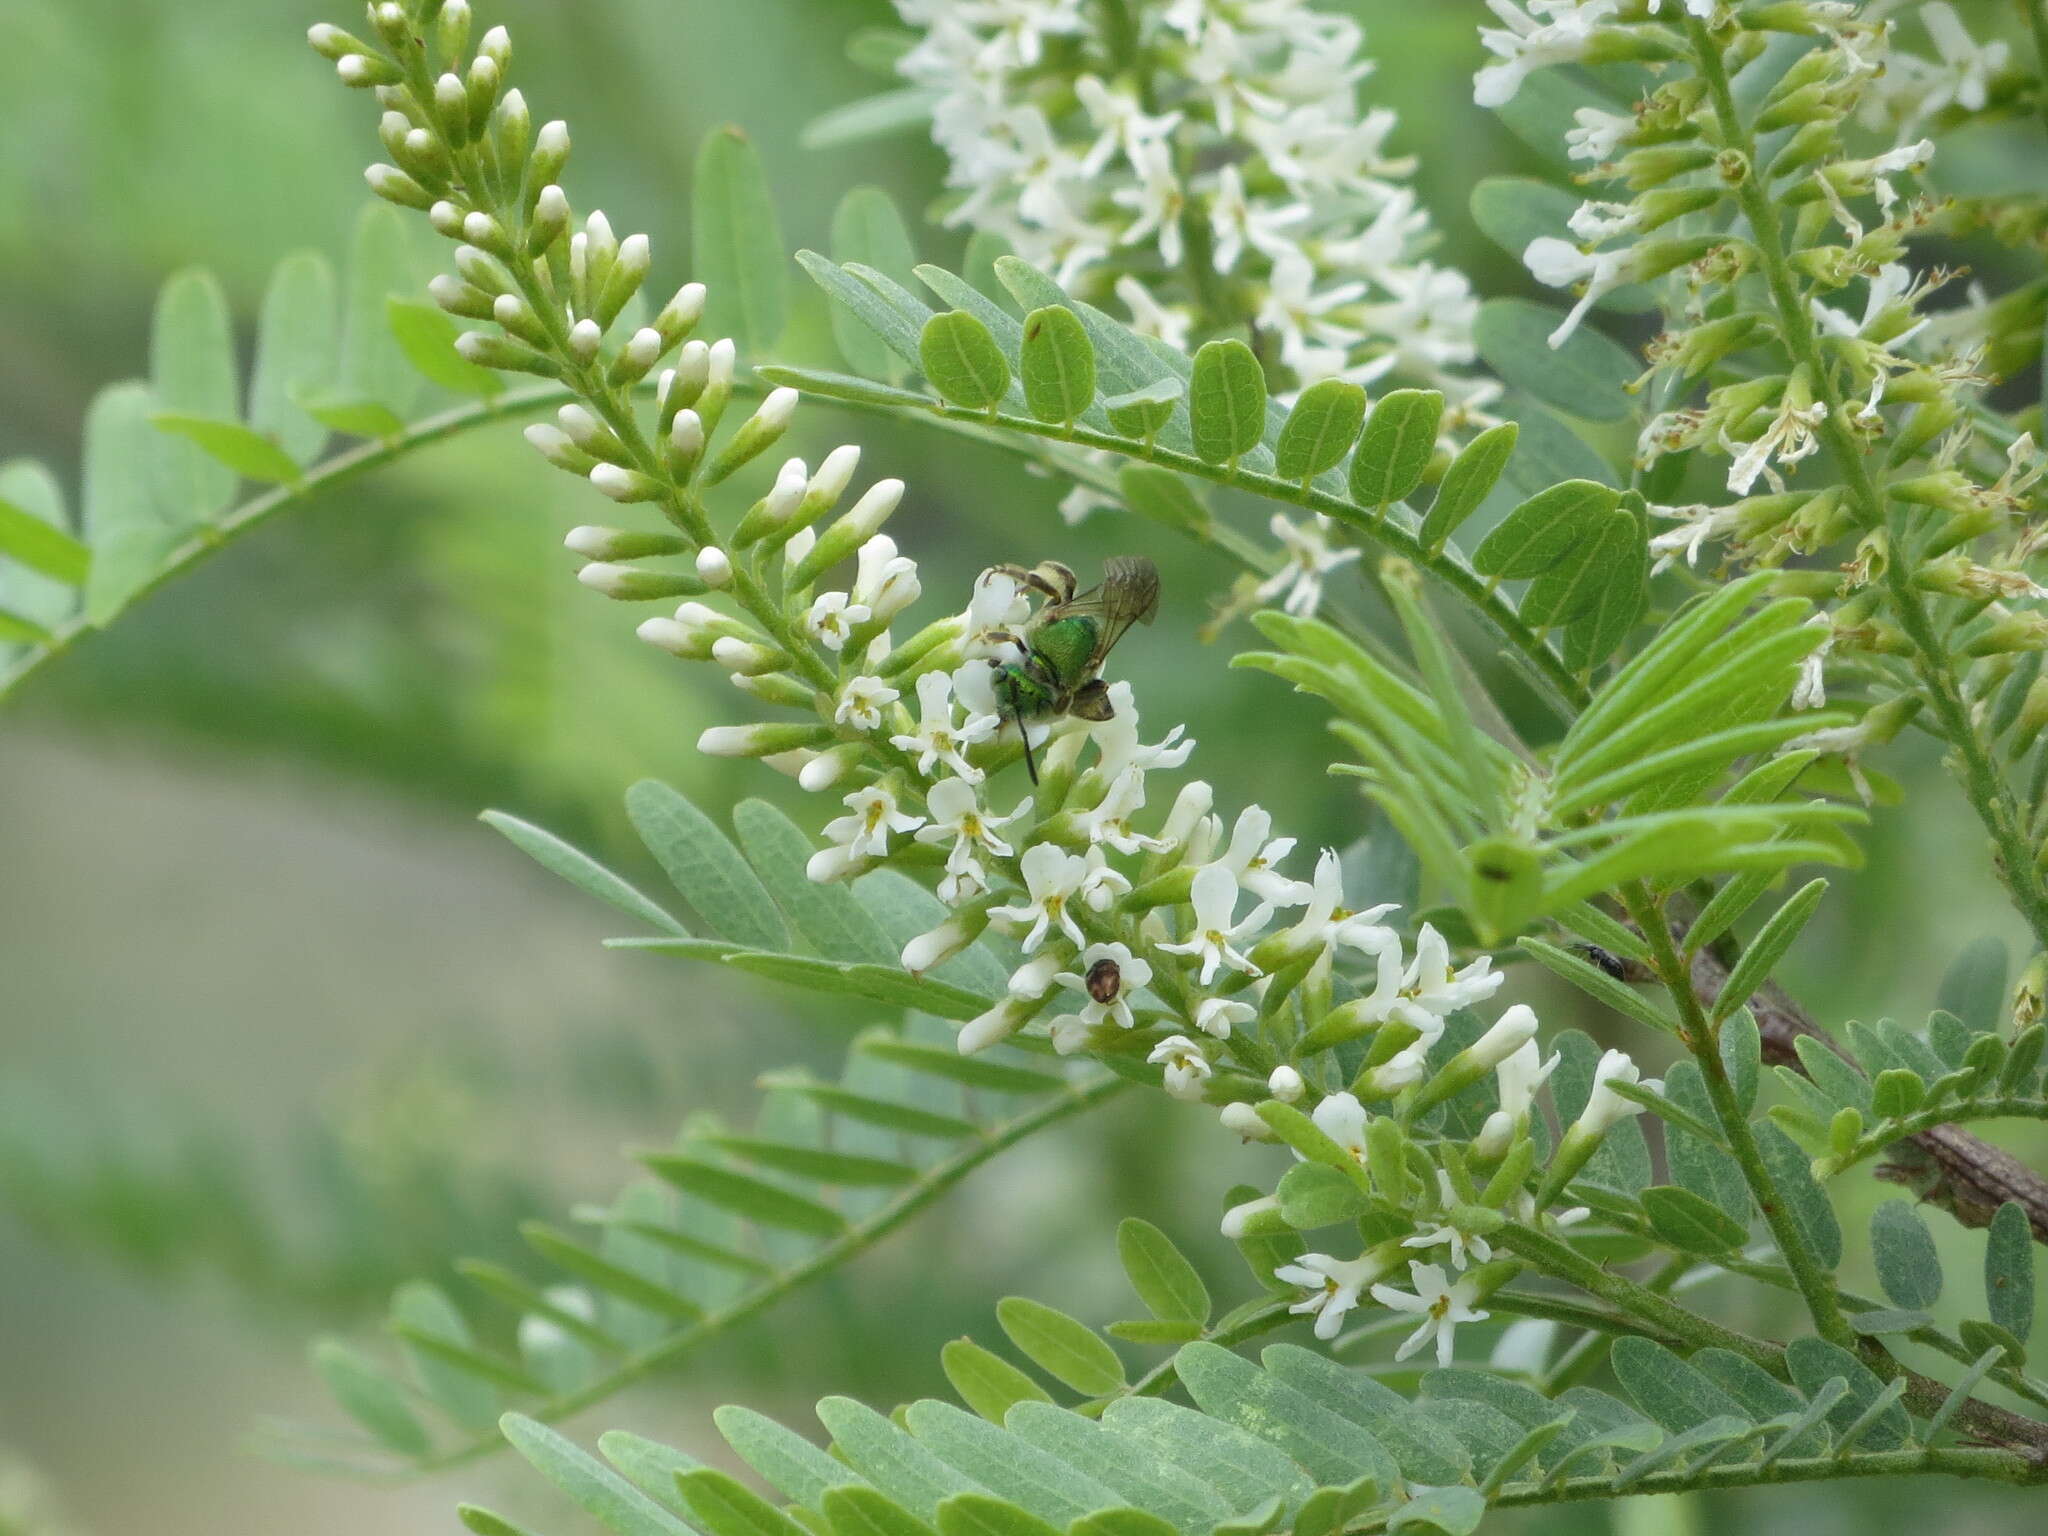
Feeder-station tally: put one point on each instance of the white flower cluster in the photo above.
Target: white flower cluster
(1227, 134)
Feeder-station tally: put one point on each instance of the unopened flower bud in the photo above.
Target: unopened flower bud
(640, 353)
(502, 352)
(685, 444)
(550, 152)
(550, 220)
(479, 270)
(679, 316)
(391, 21)
(757, 740)
(754, 437)
(333, 44)
(394, 186)
(714, 566)
(747, 656)
(829, 767)
(850, 532)
(554, 445)
(597, 543)
(1242, 1119)
(361, 71)
(585, 337)
(452, 29)
(943, 942)
(480, 229)
(486, 79)
(512, 128)
(628, 270)
(451, 108)
(1285, 1084)
(497, 47)
(692, 373)
(631, 584)
(518, 319)
(588, 433)
(997, 1025)
(1253, 1216)
(1189, 807)
(446, 219)
(623, 484)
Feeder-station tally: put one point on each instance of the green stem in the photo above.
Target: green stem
(855, 1240)
(1563, 1262)
(2036, 12)
(1985, 787)
(1816, 1285)
(1956, 1461)
(213, 537)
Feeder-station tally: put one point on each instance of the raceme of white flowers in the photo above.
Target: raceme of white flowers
(1229, 124)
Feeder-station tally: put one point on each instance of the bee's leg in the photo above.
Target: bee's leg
(1091, 702)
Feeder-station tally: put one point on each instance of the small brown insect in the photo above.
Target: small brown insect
(1104, 981)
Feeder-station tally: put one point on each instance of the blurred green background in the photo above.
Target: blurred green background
(281, 1024)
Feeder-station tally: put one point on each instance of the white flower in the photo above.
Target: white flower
(1343, 1119)
(1186, 1067)
(1309, 559)
(937, 739)
(1519, 1075)
(1250, 858)
(862, 701)
(1811, 691)
(1157, 200)
(956, 813)
(1110, 821)
(998, 603)
(1327, 924)
(1789, 438)
(1558, 263)
(884, 582)
(1100, 885)
(1107, 976)
(1052, 877)
(1597, 135)
(1333, 1284)
(1236, 222)
(1403, 1069)
(1117, 745)
(1969, 65)
(1431, 991)
(1604, 1108)
(865, 833)
(1525, 45)
(1149, 317)
(1444, 1233)
(1514, 1031)
(1034, 978)
(1442, 1307)
(1216, 929)
(1219, 1015)
(833, 618)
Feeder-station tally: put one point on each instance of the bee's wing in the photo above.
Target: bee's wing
(1127, 594)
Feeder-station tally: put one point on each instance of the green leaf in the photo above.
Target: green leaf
(963, 362)
(370, 1397)
(894, 326)
(1575, 585)
(1908, 1268)
(1804, 1200)
(1330, 1446)
(855, 1509)
(1314, 1195)
(352, 416)
(192, 373)
(1319, 430)
(1742, 1050)
(603, 1273)
(1973, 988)
(651, 1466)
(2009, 1270)
(1469, 480)
(1147, 1482)
(1244, 1468)
(705, 866)
(485, 1522)
(41, 545)
(1814, 1362)
(872, 117)
(1065, 1349)
(1160, 1273)
(1687, 1222)
(1588, 376)
(1057, 365)
(426, 335)
(1395, 450)
(250, 455)
(736, 242)
(591, 1485)
(979, 1071)
(824, 1165)
(724, 1506)
(889, 1458)
(976, 1514)
(830, 918)
(1543, 529)
(1226, 401)
(1121, 1522)
(781, 1456)
(1140, 413)
(1667, 1389)
(1764, 952)
(870, 1110)
(1005, 1466)
(1976, 1337)
(868, 229)
(1162, 496)
(1451, 1511)
(579, 869)
(124, 526)
(423, 1314)
(987, 1383)
(768, 1204)
(298, 338)
(1597, 983)
(1619, 603)
(844, 386)
(372, 369)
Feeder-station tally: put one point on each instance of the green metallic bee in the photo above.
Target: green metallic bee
(1066, 640)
